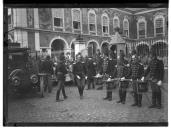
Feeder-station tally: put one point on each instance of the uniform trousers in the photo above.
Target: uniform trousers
(122, 91)
(89, 82)
(60, 87)
(80, 84)
(48, 83)
(156, 94)
(137, 96)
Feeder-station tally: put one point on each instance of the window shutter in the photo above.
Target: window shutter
(105, 21)
(159, 23)
(91, 18)
(116, 23)
(76, 15)
(125, 25)
(141, 26)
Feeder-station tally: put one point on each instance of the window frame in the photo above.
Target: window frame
(156, 18)
(126, 20)
(105, 15)
(140, 20)
(116, 17)
(72, 10)
(92, 12)
(54, 10)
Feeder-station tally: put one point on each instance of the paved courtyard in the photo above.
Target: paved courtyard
(32, 108)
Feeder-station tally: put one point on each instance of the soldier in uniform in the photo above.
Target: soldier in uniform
(99, 62)
(79, 71)
(105, 64)
(47, 67)
(136, 72)
(91, 72)
(111, 71)
(61, 71)
(122, 72)
(155, 70)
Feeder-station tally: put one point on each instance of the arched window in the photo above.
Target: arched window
(58, 18)
(105, 24)
(159, 25)
(92, 21)
(126, 28)
(141, 28)
(76, 19)
(116, 22)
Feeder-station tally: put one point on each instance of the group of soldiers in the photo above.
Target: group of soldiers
(85, 70)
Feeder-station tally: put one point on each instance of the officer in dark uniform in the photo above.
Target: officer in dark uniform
(47, 67)
(79, 71)
(123, 73)
(61, 71)
(156, 71)
(137, 71)
(111, 71)
(99, 62)
(91, 72)
(105, 63)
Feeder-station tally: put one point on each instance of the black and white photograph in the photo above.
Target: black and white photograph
(86, 65)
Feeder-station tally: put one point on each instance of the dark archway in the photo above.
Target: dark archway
(57, 47)
(142, 50)
(160, 48)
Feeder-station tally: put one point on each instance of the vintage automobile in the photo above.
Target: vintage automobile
(22, 74)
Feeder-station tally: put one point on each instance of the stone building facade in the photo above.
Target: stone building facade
(56, 29)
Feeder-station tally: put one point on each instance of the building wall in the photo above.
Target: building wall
(41, 20)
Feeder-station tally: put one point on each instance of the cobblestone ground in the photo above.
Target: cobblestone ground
(92, 108)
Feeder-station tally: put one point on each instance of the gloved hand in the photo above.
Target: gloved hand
(127, 65)
(122, 78)
(142, 79)
(78, 77)
(159, 83)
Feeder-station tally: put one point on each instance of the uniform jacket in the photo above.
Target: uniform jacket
(137, 70)
(79, 69)
(156, 69)
(61, 71)
(91, 69)
(47, 67)
(105, 64)
(111, 69)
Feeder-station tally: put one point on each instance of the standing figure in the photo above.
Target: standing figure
(79, 71)
(156, 71)
(91, 72)
(137, 71)
(61, 71)
(111, 71)
(122, 72)
(47, 67)
(99, 62)
(105, 64)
